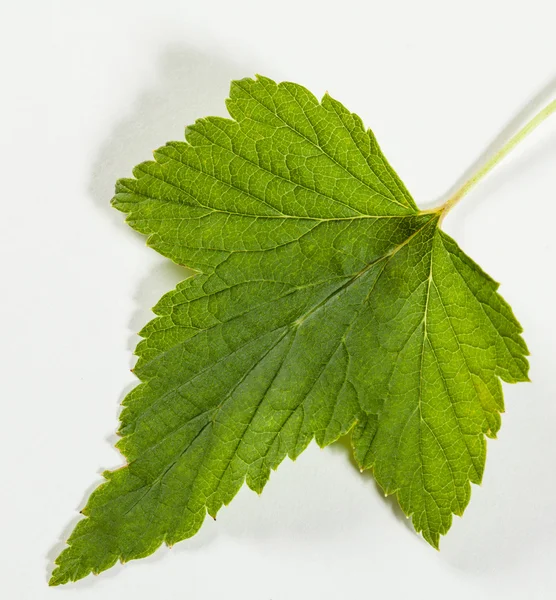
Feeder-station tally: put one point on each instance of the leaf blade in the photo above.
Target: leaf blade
(314, 313)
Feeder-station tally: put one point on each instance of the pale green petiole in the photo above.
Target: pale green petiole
(496, 158)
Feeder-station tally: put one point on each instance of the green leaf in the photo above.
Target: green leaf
(325, 303)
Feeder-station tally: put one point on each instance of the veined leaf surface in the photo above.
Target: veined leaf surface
(325, 303)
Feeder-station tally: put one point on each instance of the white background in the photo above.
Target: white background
(89, 89)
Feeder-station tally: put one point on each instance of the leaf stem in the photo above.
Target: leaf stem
(496, 158)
